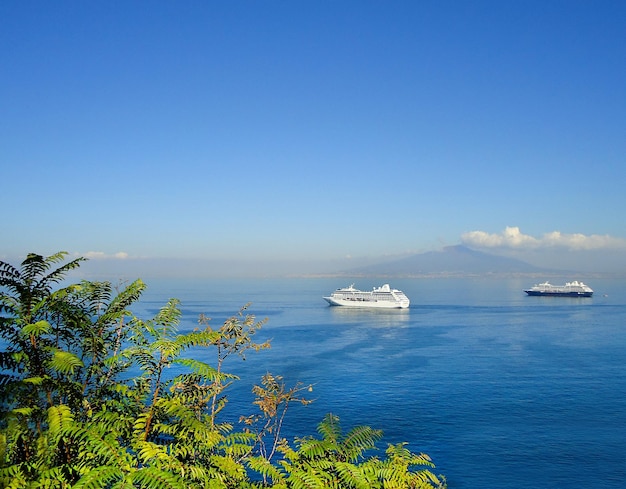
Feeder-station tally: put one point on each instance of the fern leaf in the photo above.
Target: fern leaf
(153, 452)
(65, 362)
(152, 478)
(204, 369)
(311, 448)
(57, 275)
(308, 479)
(99, 477)
(330, 428)
(36, 380)
(198, 338)
(229, 467)
(266, 469)
(24, 411)
(37, 329)
(59, 417)
(352, 476)
(169, 315)
(358, 440)
(125, 298)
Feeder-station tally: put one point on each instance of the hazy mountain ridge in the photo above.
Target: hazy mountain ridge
(451, 260)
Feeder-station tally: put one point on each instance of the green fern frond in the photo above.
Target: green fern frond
(168, 316)
(13, 477)
(112, 421)
(309, 479)
(290, 455)
(239, 450)
(76, 432)
(125, 298)
(57, 275)
(23, 411)
(53, 477)
(202, 369)
(98, 448)
(329, 428)
(99, 477)
(139, 426)
(358, 440)
(352, 476)
(34, 267)
(400, 452)
(8, 273)
(153, 478)
(228, 466)
(65, 362)
(266, 469)
(166, 347)
(237, 438)
(36, 380)
(59, 417)
(144, 359)
(198, 338)
(153, 453)
(312, 448)
(37, 329)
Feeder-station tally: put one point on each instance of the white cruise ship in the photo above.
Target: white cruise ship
(380, 297)
(570, 289)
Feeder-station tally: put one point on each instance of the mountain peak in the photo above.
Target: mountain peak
(451, 260)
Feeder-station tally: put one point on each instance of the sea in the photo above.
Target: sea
(500, 389)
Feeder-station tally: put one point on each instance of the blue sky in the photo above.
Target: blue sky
(312, 134)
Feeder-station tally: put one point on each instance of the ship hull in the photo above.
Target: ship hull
(365, 304)
(558, 294)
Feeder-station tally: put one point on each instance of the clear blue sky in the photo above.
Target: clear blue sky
(306, 131)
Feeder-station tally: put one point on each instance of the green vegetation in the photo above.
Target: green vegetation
(88, 400)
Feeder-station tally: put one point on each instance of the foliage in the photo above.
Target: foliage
(94, 397)
(273, 400)
(341, 460)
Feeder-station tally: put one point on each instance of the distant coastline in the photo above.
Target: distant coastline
(436, 275)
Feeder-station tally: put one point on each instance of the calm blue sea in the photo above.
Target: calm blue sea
(500, 389)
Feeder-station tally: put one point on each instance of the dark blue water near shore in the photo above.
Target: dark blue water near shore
(501, 390)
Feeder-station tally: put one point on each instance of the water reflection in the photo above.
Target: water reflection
(371, 317)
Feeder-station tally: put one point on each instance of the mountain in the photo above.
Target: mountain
(451, 260)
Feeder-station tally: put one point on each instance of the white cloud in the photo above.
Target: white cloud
(101, 255)
(513, 238)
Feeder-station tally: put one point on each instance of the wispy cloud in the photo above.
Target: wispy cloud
(101, 255)
(513, 238)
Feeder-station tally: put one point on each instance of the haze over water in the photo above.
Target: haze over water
(500, 389)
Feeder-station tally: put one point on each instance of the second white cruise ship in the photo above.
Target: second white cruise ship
(380, 297)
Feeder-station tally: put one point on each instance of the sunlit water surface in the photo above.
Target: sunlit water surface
(500, 389)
